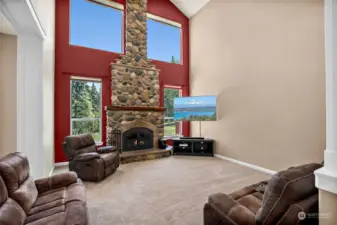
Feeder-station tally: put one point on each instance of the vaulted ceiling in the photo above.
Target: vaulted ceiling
(189, 7)
(5, 25)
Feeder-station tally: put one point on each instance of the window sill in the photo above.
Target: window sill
(98, 143)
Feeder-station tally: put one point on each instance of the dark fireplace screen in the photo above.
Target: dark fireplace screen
(137, 139)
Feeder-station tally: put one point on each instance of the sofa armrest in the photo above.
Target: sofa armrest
(229, 209)
(56, 181)
(106, 149)
(84, 157)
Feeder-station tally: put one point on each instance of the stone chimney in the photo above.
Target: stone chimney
(136, 32)
(135, 81)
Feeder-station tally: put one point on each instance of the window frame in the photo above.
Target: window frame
(105, 3)
(180, 133)
(173, 24)
(92, 80)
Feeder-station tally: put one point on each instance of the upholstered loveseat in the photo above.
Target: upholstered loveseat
(288, 198)
(89, 162)
(56, 200)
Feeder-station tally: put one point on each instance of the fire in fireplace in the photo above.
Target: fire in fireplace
(137, 138)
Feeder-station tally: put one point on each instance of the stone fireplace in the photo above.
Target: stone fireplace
(135, 107)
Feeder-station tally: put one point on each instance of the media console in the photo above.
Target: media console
(193, 146)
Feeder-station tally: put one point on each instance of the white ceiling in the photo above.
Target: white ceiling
(5, 26)
(189, 7)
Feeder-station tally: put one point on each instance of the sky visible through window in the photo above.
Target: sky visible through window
(95, 26)
(163, 41)
(99, 27)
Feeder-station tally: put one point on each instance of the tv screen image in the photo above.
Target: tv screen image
(198, 108)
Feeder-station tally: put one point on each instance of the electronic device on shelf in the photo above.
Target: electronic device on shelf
(198, 138)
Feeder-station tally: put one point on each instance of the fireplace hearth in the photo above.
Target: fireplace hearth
(137, 138)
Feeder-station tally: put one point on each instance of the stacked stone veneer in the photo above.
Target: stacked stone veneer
(134, 80)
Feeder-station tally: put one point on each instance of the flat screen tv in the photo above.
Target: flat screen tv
(198, 108)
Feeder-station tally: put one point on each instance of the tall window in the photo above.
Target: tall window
(98, 26)
(86, 107)
(163, 39)
(171, 128)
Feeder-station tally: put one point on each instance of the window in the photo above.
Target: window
(98, 26)
(171, 128)
(86, 107)
(163, 39)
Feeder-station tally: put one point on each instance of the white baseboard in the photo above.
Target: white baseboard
(61, 164)
(272, 172)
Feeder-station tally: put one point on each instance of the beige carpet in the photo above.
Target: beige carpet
(168, 191)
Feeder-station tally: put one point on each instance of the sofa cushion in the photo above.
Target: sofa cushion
(10, 211)
(73, 213)
(3, 192)
(231, 209)
(78, 144)
(284, 189)
(56, 202)
(307, 205)
(14, 169)
(55, 181)
(26, 194)
(55, 219)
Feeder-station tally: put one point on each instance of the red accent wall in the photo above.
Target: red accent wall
(85, 62)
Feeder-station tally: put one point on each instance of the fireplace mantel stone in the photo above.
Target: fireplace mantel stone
(134, 108)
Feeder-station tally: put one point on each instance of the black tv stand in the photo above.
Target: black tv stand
(189, 138)
(193, 146)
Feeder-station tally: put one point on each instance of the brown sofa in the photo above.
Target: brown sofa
(58, 199)
(89, 163)
(288, 198)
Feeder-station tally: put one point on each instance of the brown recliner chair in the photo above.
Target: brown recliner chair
(58, 200)
(289, 197)
(90, 163)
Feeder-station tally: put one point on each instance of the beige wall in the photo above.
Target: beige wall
(265, 62)
(327, 208)
(8, 55)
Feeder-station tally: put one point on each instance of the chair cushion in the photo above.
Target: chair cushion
(78, 144)
(110, 159)
(84, 157)
(106, 149)
(284, 189)
(14, 169)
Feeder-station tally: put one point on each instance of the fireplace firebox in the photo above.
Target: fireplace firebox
(137, 138)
